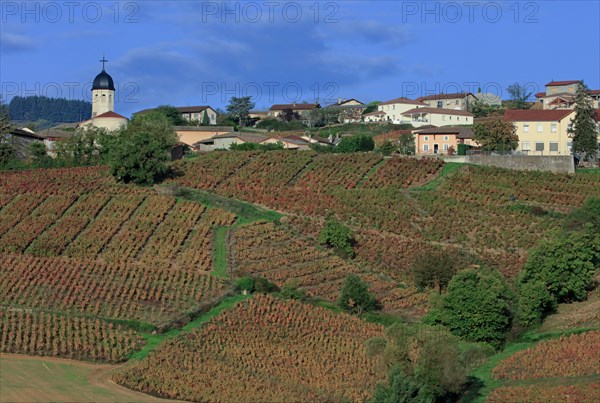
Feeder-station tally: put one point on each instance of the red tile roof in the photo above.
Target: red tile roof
(540, 94)
(597, 115)
(444, 96)
(594, 92)
(528, 115)
(557, 83)
(375, 113)
(109, 114)
(403, 100)
(439, 111)
(294, 107)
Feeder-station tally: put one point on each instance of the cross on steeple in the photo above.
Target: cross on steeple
(103, 61)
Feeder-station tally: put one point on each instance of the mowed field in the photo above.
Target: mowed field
(32, 379)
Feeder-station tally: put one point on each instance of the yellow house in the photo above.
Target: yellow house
(542, 132)
(561, 94)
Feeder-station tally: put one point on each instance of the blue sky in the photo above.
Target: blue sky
(198, 53)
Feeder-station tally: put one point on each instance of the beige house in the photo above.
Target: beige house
(191, 135)
(301, 109)
(394, 109)
(561, 94)
(224, 141)
(376, 116)
(291, 142)
(437, 117)
(438, 140)
(196, 114)
(542, 132)
(350, 110)
(460, 100)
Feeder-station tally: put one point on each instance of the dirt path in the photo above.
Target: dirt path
(40, 379)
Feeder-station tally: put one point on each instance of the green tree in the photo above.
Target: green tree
(477, 306)
(518, 96)
(239, 109)
(371, 107)
(205, 119)
(337, 235)
(8, 152)
(289, 115)
(356, 143)
(565, 264)
(534, 303)
(140, 152)
(434, 268)
(406, 144)
(39, 154)
(496, 134)
(172, 114)
(584, 131)
(355, 296)
(81, 148)
(424, 364)
(586, 215)
(481, 109)
(386, 148)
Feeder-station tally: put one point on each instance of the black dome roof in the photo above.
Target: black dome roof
(103, 81)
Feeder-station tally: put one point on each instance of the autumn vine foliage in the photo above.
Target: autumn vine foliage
(275, 350)
(574, 355)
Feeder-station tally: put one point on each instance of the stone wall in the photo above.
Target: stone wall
(556, 164)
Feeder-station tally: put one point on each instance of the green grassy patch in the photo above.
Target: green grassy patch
(220, 264)
(245, 212)
(447, 169)
(154, 340)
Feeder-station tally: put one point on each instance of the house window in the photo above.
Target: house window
(195, 115)
(553, 146)
(440, 104)
(446, 147)
(539, 147)
(450, 117)
(426, 138)
(425, 147)
(540, 128)
(570, 126)
(445, 138)
(553, 127)
(526, 128)
(393, 106)
(569, 146)
(443, 117)
(526, 146)
(456, 102)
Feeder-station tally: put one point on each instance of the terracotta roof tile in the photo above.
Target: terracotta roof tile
(403, 100)
(439, 111)
(528, 115)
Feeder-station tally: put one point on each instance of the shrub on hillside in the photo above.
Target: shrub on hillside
(477, 307)
(337, 235)
(355, 144)
(355, 296)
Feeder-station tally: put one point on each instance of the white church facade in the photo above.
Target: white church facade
(103, 103)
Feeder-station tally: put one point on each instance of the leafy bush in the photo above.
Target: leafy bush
(279, 125)
(256, 146)
(478, 307)
(337, 235)
(291, 290)
(356, 143)
(251, 285)
(565, 264)
(355, 296)
(386, 148)
(534, 303)
(434, 268)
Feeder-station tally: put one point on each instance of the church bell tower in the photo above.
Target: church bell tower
(103, 92)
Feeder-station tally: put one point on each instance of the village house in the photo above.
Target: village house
(542, 132)
(394, 109)
(302, 109)
(438, 140)
(225, 140)
(350, 110)
(193, 114)
(437, 117)
(376, 116)
(191, 135)
(460, 100)
(290, 142)
(561, 95)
